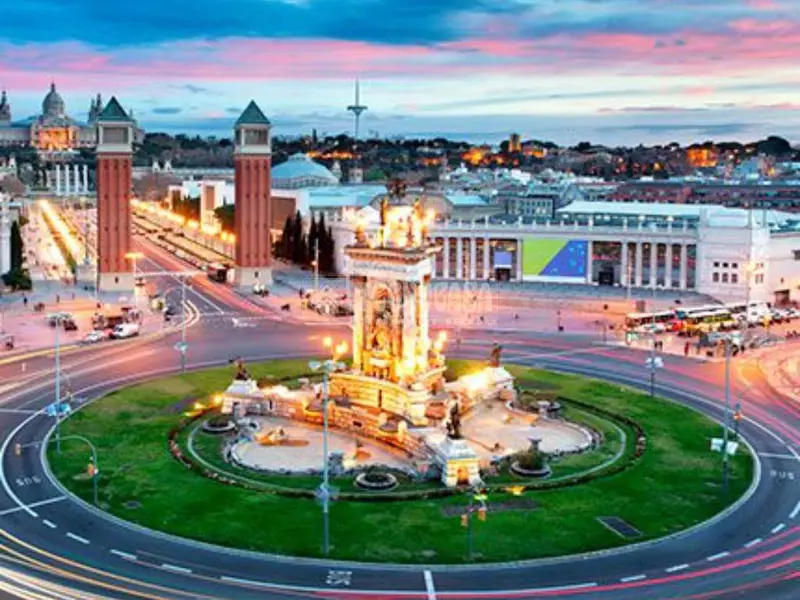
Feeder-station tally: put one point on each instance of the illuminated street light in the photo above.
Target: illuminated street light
(324, 492)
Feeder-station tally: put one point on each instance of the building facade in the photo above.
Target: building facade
(725, 258)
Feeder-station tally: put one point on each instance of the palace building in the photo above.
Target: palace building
(53, 131)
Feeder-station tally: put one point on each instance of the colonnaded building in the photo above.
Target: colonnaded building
(53, 132)
(730, 254)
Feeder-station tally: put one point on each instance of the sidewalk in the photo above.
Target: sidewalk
(32, 332)
(782, 371)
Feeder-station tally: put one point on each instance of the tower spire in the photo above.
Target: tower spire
(357, 109)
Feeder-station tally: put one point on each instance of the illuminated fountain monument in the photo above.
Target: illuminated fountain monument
(396, 368)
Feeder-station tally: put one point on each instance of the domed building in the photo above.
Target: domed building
(301, 172)
(53, 131)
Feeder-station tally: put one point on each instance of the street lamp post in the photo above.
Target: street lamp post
(726, 416)
(184, 346)
(324, 492)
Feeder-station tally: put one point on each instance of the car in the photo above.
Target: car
(170, 310)
(126, 330)
(93, 337)
(69, 325)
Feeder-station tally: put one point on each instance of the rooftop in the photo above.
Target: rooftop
(299, 167)
(252, 115)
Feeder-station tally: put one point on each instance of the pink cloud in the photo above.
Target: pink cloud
(747, 46)
(765, 5)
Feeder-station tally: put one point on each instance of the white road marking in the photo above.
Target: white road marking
(795, 510)
(771, 455)
(50, 524)
(175, 568)
(563, 588)
(17, 411)
(429, 585)
(778, 527)
(752, 543)
(718, 556)
(122, 554)
(77, 538)
(677, 568)
(27, 508)
(243, 581)
(633, 578)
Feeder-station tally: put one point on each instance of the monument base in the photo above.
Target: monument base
(116, 282)
(407, 403)
(457, 461)
(247, 277)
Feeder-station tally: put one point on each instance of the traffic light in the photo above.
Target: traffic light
(91, 470)
(737, 416)
(481, 514)
(17, 449)
(465, 520)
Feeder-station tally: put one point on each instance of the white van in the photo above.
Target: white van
(125, 330)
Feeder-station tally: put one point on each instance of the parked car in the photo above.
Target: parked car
(69, 325)
(7, 341)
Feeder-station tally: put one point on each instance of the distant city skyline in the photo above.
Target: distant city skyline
(615, 72)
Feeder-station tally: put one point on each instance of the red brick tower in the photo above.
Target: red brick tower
(253, 186)
(114, 162)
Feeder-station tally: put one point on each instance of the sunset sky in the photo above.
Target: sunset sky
(609, 71)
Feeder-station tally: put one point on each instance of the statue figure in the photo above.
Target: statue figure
(454, 424)
(410, 233)
(241, 371)
(361, 237)
(496, 355)
(384, 211)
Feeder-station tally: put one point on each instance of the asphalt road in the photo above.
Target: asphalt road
(61, 548)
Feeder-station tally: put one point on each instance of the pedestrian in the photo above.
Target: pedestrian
(686, 349)
(58, 299)
(24, 300)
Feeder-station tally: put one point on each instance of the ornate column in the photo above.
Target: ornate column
(589, 260)
(358, 321)
(66, 180)
(446, 259)
(637, 269)
(85, 179)
(623, 275)
(519, 259)
(473, 254)
(668, 266)
(459, 256)
(58, 180)
(653, 264)
(684, 265)
(486, 258)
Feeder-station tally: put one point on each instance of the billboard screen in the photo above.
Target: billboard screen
(548, 257)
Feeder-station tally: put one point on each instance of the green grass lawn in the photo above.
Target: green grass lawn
(674, 485)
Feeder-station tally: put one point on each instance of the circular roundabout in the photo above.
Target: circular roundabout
(612, 467)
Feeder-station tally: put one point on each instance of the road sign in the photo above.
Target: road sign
(323, 494)
(716, 446)
(182, 347)
(654, 363)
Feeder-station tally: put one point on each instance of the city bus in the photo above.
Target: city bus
(707, 321)
(658, 322)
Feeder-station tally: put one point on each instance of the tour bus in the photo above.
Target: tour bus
(753, 312)
(658, 322)
(716, 319)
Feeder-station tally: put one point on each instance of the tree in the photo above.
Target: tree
(16, 247)
(313, 240)
(298, 240)
(226, 215)
(286, 244)
(154, 186)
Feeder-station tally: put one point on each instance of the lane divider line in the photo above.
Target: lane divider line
(77, 538)
(633, 578)
(28, 508)
(429, 588)
(778, 528)
(677, 568)
(795, 510)
(122, 554)
(175, 568)
(50, 524)
(752, 543)
(718, 556)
